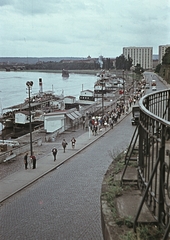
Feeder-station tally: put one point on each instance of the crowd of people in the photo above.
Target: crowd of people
(96, 124)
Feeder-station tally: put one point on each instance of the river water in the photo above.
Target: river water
(13, 85)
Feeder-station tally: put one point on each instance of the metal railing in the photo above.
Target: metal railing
(154, 157)
(24, 147)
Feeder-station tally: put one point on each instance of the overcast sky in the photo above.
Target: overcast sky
(78, 28)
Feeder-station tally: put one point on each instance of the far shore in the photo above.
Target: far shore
(70, 71)
(79, 71)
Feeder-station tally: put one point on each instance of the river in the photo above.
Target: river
(13, 85)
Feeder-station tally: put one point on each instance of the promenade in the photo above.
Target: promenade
(17, 181)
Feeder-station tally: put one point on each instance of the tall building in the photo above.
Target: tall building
(162, 49)
(140, 55)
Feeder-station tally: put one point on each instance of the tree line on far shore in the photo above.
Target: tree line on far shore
(72, 64)
(119, 63)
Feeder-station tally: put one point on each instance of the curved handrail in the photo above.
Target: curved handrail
(147, 112)
(153, 176)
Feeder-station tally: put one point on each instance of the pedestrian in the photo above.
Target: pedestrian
(83, 124)
(73, 142)
(64, 144)
(95, 129)
(130, 102)
(33, 161)
(29, 162)
(105, 125)
(111, 123)
(54, 151)
(26, 160)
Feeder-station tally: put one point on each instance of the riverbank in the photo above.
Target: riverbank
(83, 71)
(78, 71)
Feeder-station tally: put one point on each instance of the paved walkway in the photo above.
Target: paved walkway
(20, 179)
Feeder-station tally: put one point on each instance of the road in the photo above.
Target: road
(65, 204)
(149, 77)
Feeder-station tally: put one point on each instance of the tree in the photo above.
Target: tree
(129, 63)
(107, 63)
(166, 57)
(158, 68)
(120, 62)
(138, 69)
(123, 63)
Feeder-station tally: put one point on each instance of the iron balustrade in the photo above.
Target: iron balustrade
(153, 143)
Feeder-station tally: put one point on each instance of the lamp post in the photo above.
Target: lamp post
(103, 90)
(29, 87)
(133, 78)
(123, 88)
(102, 100)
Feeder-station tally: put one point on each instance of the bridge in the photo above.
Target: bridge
(150, 148)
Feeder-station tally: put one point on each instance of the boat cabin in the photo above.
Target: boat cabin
(87, 95)
(69, 99)
(23, 117)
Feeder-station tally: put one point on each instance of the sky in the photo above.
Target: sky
(81, 28)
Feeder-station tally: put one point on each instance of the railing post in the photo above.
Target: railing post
(169, 105)
(141, 147)
(161, 217)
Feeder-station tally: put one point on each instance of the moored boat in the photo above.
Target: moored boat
(37, 105)
(107, 85)
(86, 95)
(65, 73)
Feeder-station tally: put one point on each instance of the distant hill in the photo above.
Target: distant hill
(34, 60)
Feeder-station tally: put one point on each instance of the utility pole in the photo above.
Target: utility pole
(102, 97)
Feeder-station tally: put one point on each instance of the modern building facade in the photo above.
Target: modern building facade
(162, 49)
(140, 55)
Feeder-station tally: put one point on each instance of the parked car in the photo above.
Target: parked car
(136, 115)
(135, 120)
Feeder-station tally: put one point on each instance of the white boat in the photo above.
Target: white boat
(42, 101)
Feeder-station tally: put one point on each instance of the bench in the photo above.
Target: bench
(10, 157)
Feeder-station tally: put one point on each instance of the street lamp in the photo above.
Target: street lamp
(103, 91)
(133, 77)
(123, 88)
(29, 85)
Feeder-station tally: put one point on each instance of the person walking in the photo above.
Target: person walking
(111, 123)
(84, 124)
(54, 151)
(26, 160)
(105, 125)
(64, 144)
(33, 162)
(73, 142)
